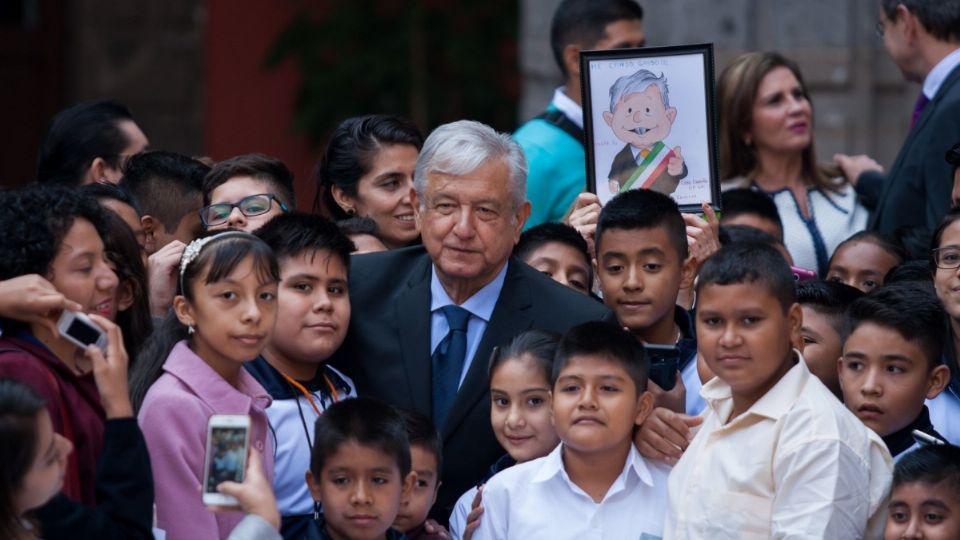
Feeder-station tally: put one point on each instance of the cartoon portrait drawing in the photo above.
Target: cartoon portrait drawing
(640, 115)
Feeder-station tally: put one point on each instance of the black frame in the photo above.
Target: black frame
(706, 51)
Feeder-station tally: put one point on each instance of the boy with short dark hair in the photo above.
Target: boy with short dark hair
(891, 362)
(313, 313)
(167, 187)
(359, 471)
(641, 265)
(824, 305)
(245, 192)
(751, 208)
(925, 499)
(595, 483)
(777, 456)
(426, 455)
(557, 250)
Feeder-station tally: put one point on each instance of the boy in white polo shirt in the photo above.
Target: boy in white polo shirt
(594, 484)
(777, 455)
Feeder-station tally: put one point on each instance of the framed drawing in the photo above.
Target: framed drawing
(650, 123)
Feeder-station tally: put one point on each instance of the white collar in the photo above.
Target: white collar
(939, 73)
(552, 466)
(568, 107)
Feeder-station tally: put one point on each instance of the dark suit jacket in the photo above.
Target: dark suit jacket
(624, 164)
(915, 195)
(387, 349)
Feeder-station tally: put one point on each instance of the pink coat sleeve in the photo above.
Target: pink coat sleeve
(174, 425)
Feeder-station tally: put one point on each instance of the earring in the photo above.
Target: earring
(351, 211)
(316, 510)
(191, 329)
(748, 141)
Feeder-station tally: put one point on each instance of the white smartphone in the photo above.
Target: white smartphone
(81, 331)
(228, 436)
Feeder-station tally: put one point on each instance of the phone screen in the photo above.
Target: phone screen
(83, 332)
(226, 456)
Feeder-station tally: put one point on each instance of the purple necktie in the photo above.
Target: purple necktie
(918, 109)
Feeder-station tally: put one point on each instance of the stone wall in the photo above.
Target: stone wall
(862, 103)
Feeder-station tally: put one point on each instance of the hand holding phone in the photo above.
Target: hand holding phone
(664, 363)
(228, 439)
(80, 330)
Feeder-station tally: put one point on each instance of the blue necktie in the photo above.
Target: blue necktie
(448, 362)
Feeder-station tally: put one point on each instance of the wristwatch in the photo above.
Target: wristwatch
(953, 155)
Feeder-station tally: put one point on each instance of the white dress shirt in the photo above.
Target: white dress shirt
(797, 464)
(568, 106)
(537, 499)
(934, 80)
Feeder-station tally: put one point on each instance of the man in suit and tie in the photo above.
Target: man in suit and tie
(923, 39)
(425, 319)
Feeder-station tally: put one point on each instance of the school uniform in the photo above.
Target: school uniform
(292, 418)
(796, 464)
(902, 442)
(458, 519)
(537, 499)
(687, 345)
(318, 531)
(174, 418)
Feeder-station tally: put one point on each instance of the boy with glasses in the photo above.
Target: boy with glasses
(245, 192)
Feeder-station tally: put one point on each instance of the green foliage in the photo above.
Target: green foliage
(433, 61)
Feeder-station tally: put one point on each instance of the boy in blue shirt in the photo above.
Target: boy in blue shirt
(641, 265)
(313, 313)
(595, 483)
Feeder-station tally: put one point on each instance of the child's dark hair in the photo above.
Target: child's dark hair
(20, 407)
(349, 155)
(584, 23)
(911, 309)
(266, 169)
(598, 338)
(124, 254)
(741, 234)
(216, 260)
(744, 201)
(644, 209)
(295, 233)
(931, 465)
(535, 237)
(116, 192)
(753, 263)
(163, 183)
(877, 239)
(828, 298)
(916, 271)
(422, 433)
(366, 421)
(539, 345)
(359, 225)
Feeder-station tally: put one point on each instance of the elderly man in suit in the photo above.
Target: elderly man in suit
(425, 319)
(923, 39)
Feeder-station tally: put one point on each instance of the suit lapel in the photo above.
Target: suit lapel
(413, 323)
(511, 315)
(905, 151)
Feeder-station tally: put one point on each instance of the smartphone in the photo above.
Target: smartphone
(228, 437)
(802, 274)
(81, 331)
(664, 363)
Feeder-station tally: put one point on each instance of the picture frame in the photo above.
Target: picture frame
(649, 118)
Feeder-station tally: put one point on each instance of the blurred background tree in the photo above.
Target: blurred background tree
(432, 61)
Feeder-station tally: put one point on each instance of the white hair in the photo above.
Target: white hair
(638, 82)
(461, 147)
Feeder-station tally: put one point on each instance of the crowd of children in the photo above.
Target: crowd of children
(727, 394)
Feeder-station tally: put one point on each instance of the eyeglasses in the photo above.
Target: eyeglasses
(947, 258)
(254, 205)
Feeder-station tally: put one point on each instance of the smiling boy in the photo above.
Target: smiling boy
(313, 313)
(777, 456)
(595, 483)
(641, 116)
(891, 362)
